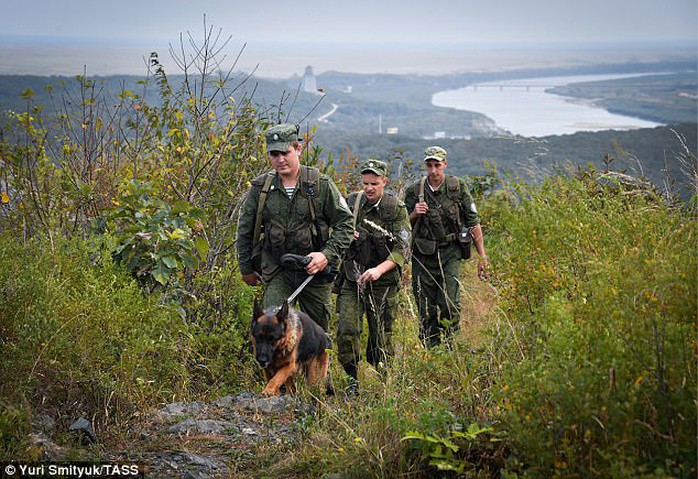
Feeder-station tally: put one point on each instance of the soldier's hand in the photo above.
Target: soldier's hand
(421, 208)
(317, 263)
(370, 275)
(483, 269)
(252, 279)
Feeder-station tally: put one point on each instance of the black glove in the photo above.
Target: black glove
(297, 262)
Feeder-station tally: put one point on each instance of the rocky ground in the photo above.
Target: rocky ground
(200, 440)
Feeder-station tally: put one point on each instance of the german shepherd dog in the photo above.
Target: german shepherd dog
(285, 341)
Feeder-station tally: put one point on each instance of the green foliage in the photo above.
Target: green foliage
(155, 241)
(15, 424)
(78, 336)
(443, 452)
(601, 280)
(219, 317)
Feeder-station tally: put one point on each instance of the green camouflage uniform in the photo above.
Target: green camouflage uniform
(436, 256)
(288, 227)
(377, 299)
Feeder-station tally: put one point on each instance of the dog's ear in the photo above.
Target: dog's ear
(283, 312)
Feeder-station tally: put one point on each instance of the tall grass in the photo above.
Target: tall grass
(78, 337)
(602, 281)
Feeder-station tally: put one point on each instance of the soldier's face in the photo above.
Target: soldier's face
(373, 186)
(435, 170)
(285, 163)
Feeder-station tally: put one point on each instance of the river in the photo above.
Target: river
(522, 106)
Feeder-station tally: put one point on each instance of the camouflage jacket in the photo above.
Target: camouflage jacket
(383, 233)
(451, 207)
(315, 218)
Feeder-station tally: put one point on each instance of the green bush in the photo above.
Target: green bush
(219, 317)
(602, 283)
(79, 338)
(157, 242)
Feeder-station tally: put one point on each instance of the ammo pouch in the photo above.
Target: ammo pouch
(465, 240)
(298, 241)
(425, 246)
(435, 225)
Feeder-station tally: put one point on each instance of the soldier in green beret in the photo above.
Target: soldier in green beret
(371, 272)
(302, 212)
(444, 224)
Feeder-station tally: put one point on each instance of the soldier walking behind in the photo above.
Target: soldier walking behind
(370, 273)
(444, 224)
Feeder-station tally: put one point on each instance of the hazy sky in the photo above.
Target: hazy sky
(275, 28)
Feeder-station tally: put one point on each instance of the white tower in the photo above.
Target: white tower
(309, 82)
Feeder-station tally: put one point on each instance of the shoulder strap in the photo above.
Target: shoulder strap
(260, 206)
(357, 206)
(309, 187)
(420, 191)
(419, 187)
(453, 189)
(388, 207)
(310, 181)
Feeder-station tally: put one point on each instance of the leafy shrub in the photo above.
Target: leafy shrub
(452, 452)
(600, 280)
(219, 317)
(78, 336)
(155, 241)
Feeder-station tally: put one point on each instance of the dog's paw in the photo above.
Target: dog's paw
(269, 392)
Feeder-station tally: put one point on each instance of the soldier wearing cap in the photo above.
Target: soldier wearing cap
(370, 273)
(302, 212)
(442, 213)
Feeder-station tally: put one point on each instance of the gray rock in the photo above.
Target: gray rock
(44, 423)
(84, 431)
(205, 426)
(195, 475)
(181, 409)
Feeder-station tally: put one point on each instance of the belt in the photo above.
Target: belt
(446, 240)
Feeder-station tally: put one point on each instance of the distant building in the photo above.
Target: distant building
(439, 135)
(391, 130)
(309, 83)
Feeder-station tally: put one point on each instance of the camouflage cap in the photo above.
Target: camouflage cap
(376, 167)
(435, 153)
(280, 137)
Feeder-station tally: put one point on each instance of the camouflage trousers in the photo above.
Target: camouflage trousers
(314, 300)
(378, 302)
(436, 289)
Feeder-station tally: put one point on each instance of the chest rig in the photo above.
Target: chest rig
(373, 245)
(304, 233)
